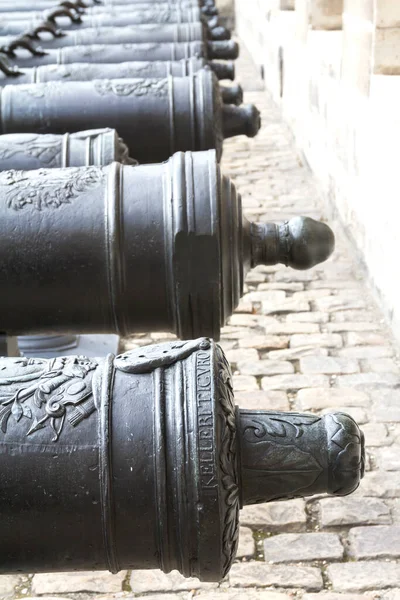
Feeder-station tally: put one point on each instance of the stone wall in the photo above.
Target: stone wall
(333, 66)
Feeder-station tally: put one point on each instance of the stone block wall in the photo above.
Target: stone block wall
(333, 66)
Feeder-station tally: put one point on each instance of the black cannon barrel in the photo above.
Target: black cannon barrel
(125, 69)
(156, 117)
(115, 53)
(97, 455)
(232, 94)
(93, 8)
(131, 34)
(124, 249)
(123, 19)
(148, 13)
(25, 151)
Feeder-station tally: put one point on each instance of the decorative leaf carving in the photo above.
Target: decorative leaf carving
(47, 148)
(137, 87)
(47, 188)
(58, 385)
(227, 460)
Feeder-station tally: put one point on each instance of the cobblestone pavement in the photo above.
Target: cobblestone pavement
(312, 341)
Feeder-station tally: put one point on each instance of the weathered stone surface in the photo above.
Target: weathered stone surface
(272, 297)
(391, 594)
(312, 294)
(50, 598)
(266, 367)
(275, 516)
(365, 352)
(153, 580)
(7, 585)
(388, 458)
(381, 484)
(340, 302)
(363, 576)
(296, 353)
(284, 306)
(380, 365)
(264, 342)
(307, 317)
(333, 596)
(317, 339)
(285, 576)
(364, 380)
(292, 286)
(386, 407)
(244, 383)
(360, 415)
(289, 275)
(338, 512)
(303, 547)
(352, 326)
(84, 581)
(328, 365)
(242, 355)
(377, 434)
(294, 382)
(374, 542)
(263, 400)
(291, 328)
(359, 338)
(320, 398)
(246, 545)
(234, 594)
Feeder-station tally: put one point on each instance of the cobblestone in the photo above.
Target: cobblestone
(293, 547)
(263, 400)
(255, 574)
(363, 576)
(85, 581)
(293, 382)
(275, 516)
(328, 365)
(374, 542)
(152, 580)
(321, 398)
(246, 545)
(320, 339)
(338, 512)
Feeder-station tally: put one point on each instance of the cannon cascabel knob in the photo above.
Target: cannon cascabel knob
(289, 455)
(219, 33)
(105, 453)
(300, 243)
(232, 94)
(181, 217)
(243, 120)
(228, 49)
(223, 70)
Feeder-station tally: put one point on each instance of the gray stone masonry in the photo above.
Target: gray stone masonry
(312, 341)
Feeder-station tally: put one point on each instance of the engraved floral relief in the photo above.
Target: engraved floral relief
(136, 87)
(228, 460)
(40, 90)
(46, 393)
(280, 453)
(47, 148)
(47, 188)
